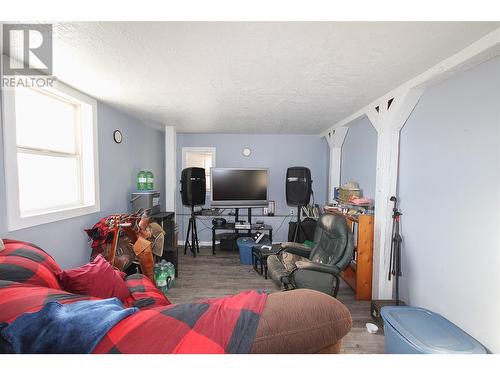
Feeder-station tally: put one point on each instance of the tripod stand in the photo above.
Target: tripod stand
(298, 227)
(395, 266)
(193, 245)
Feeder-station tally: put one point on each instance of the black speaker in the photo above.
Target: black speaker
(193, 186)
(298, 186)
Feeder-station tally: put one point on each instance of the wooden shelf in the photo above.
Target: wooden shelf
(358, 275)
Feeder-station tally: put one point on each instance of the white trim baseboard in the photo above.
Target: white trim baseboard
(209, 243)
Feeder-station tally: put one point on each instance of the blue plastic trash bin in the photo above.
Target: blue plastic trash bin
(245, 245)
(414, 330)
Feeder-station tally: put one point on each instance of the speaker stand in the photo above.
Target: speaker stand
(193, 245)
(298, 227)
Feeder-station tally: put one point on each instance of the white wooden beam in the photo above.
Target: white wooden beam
(388, 120)
(170, 168)
(335, 141)
(402, 106)
(482, 50)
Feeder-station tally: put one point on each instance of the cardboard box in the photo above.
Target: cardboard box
(344, 194)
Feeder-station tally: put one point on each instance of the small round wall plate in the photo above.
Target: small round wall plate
(117, 136)
(246, 151)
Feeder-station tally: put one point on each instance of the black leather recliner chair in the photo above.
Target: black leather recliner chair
(297, 266)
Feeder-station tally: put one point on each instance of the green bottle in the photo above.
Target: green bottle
(141, 180)
(160, 275)
(149, 180)
(170, 274)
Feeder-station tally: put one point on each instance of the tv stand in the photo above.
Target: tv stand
(237, 215)
(230, 227)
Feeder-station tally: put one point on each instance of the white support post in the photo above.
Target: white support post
(335, 141)
(388, 120)
(170, 168)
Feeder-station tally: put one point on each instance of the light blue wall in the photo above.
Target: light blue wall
(276, 152)
(449, 186)
(359, 156)
(142, 147)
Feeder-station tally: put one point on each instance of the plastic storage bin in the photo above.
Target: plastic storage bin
(245, 245)
(414, 330)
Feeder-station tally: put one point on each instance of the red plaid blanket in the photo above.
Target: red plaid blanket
(220, 325)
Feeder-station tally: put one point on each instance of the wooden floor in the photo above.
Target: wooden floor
(208, 276)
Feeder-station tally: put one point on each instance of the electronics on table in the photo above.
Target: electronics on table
(240, 188)
(258, 236)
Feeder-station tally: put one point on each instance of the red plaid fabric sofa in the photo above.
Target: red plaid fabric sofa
(25, 263)
(28, 281)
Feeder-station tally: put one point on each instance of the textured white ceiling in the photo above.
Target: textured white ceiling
(240, 77)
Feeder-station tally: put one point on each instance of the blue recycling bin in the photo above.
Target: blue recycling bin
(414, 330)
(245, 245)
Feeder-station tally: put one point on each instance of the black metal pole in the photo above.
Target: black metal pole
(250, 220)
(194, 238)
(196, 233)
(186, 242)
(395, 265)
(296, 232)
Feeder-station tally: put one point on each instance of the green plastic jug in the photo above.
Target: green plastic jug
(141, 180)
(164, 274)
(149, 180)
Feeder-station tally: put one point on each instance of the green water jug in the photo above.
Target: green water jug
(161, 276)
(170, 268)
(149, 180)
(164, 274)
(141, 180)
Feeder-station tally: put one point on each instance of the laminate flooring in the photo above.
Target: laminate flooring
(208, 276)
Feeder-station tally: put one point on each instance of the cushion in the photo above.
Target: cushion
(301, 321)
(97, 278)
(143, 293)
(25, 270)
(29, 251)
(24, 262)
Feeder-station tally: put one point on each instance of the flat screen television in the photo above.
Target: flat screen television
(239, 187)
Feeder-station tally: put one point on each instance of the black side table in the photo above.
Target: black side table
(260, 253)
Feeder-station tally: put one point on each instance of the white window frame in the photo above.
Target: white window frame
(15, 220)
(212, 150)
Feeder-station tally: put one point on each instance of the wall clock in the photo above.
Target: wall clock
(246, 151)
(117, 136)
